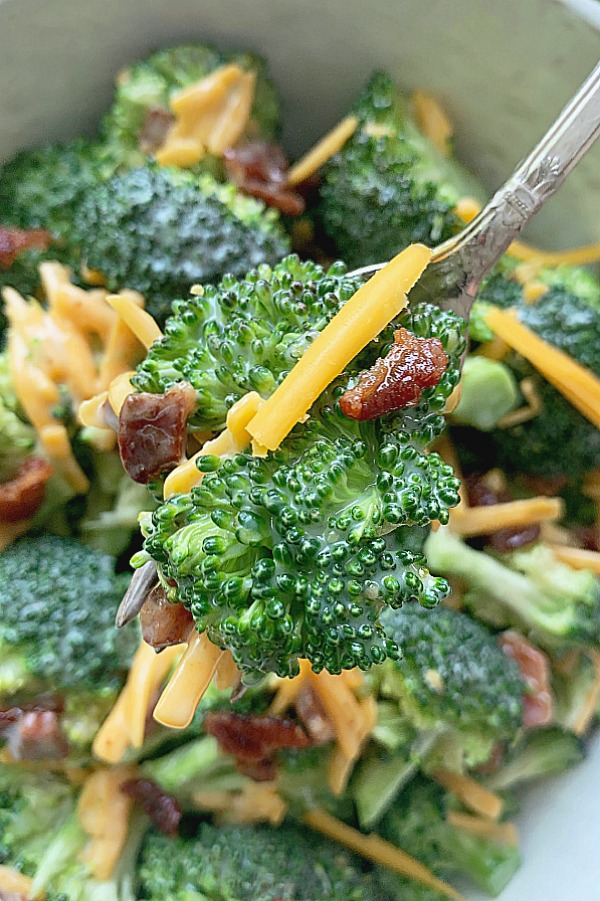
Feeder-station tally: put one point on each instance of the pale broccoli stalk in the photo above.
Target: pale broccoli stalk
(488, 392)
(539, 753)
(557, 606)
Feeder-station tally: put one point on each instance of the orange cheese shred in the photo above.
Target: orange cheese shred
(375, 849)
(473, 795)
(360, 320)
(192, 676)
(323, 150)
(497, 832)
(432, 121)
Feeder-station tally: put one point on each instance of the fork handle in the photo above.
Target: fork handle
(534, 181)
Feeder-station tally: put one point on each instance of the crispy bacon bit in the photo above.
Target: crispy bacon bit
(535, 669)
(152, 431)
(155, 129)
(164, 623)
(161, 808)
(253, 740)
(22, 496)
(396, 380)
(482, 493)
(14, 241)
(260, 170)
(313, 716)
(37, 735)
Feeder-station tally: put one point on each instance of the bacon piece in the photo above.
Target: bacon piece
(22, 496)
(313, 717)
(155, 129)
(164, 623)
(535, 669)
(482, 494)
(152, 431)
(396, 380)
(260, 170)
(14, 241)
(161, 808)
(253, 740)
(37, 735)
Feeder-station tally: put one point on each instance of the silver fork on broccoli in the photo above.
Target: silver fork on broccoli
(459, 265)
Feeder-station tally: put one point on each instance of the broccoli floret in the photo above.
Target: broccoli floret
(295, 555)
(575, 280)
(453, 682)
(57, 633)
(417, 824)
(389, 186)
(43, 188)
(160, 231)
(557, 606)
(488, 392)
(17, 436)
(233, 863)
(540, 753)
(149, 84)
(559, 439)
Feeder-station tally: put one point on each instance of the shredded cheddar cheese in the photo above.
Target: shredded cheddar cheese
(497, 832)
(255, 802)
(378, 851)
(227, 675)
(432, 121)
(531, 408)
(578, 384)
(125, 725)
(103, 811)
(577, 557)
(138, 320)
(210, 115)
(232, 440)
(323, 150)
(373, 307)
(12, 882)
(192, 676)
(470, 521)
(473, 795)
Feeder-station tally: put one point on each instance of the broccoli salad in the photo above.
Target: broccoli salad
(301, 581)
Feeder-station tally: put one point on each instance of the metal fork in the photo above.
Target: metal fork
(459, 265)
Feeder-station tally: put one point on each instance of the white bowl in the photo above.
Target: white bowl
(501, 69)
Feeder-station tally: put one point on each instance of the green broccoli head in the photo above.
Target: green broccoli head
(417, 823)
(149, 84)
(453, 680)
(557, 606)
(558, 439)
(43, 188)
(160, 231)
(57, 634)
(296, 554)
(388, 187)
(233, 863)
(17, 436)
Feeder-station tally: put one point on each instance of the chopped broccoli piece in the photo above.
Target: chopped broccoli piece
(489, 392)
(149, 84)
(559, 439)
(453, 682)
(40, 835)
(574, 280)
(538, 754)
(17, 436)
(557, 606)
(233, 863)
(43, 188)
(57, 632)
(388, 187)
(296, 554)
(417, 824)
(160, 231)
(58, 604)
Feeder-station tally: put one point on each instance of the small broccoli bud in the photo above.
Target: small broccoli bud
(489, 392)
